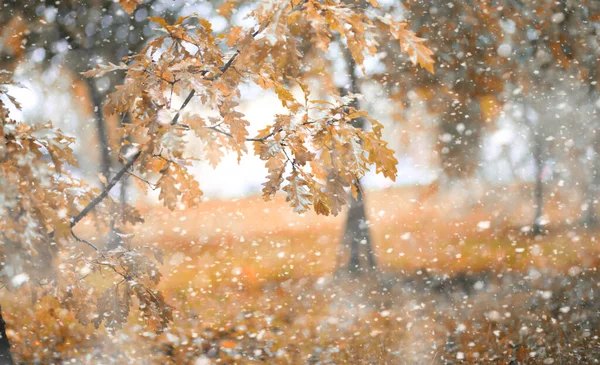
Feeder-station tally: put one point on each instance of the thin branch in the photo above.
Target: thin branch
(185, 103)
(261, 139)
(104, 192)
(215, 125)
(296, 7)
(161, 77)
(235, 69)
(86, 242)
(151, 185)
(124, 276)
(287, 157)
(193, 91)
(226, 66)
(167, 160)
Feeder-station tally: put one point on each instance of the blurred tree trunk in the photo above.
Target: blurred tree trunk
(357, 236)
(590, 219)
(123, 195)
(460, 138)
(100, 129)
(5, 355)
(538, 195)
(124, 182)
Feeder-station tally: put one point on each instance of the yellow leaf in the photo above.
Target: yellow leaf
(62, 229)
(320, 203)
(160, 21)
(234, 36)
(414, 47)
(304, 88)
(380, 155)
(168, 190)
(374, 4)
(129, 5)
(102, 178)
(141, 185)
(335, 192)
(120, 100)
(189, 187)
(276, 166)
(60, 154)
(198, 125)
(214, 154)
(286, 97)
(227, 7)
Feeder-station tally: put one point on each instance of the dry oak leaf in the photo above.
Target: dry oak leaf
(276, 166)
(168, 190)
(129, 5)
(298, 192)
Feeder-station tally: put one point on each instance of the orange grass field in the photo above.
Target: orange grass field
(251, 282)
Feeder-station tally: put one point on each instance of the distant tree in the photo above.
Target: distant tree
(370, 22)
(499, 52)
(313, 153)
(464, 94)
(550, 41)
(357, 240)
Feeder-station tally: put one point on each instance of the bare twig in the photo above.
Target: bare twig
(226, 66)
(193, 91)
(151, 185)
(106, 190)
(86, 242)
(261, 139)
(185, 103)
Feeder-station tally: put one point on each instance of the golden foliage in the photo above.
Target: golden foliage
(42, 203)
(313, 151)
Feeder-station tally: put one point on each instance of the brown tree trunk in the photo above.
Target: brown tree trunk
(538, 195)
(590, 219)
(460, 154)
(5, 355)
(100, 129)
(357, 235)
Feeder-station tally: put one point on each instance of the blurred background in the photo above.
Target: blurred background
(495, 200)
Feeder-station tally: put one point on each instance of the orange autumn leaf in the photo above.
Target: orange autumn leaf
(130, 5)
(415, 47)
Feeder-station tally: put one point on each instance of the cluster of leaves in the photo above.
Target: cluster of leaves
(39, 195)
(342, 154)
(138, 275)
(313, 153)
(41, 203)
